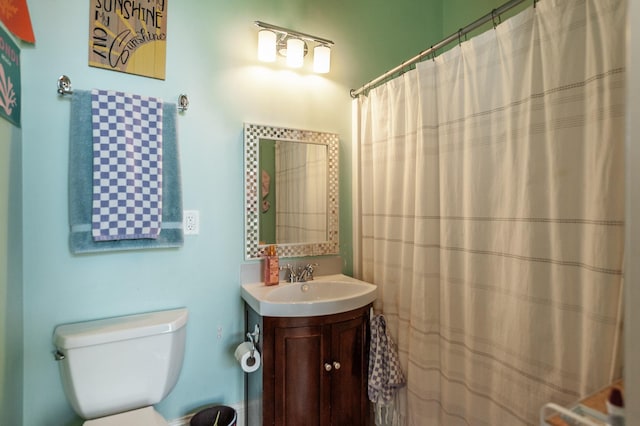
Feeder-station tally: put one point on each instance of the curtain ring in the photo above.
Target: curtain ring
(493, 18)
(534, 3)
(433, 52)
(460, 37)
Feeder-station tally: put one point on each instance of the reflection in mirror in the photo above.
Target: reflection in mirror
(294, 209)
(291, 191)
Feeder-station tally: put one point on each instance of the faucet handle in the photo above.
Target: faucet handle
(310, 268)
(292, 274)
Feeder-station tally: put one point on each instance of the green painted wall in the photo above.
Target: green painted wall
(459, 13)
(267, 226)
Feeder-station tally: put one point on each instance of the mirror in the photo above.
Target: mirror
(291, 191)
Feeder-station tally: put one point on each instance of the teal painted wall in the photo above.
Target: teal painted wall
(11, 301)
(211, 57)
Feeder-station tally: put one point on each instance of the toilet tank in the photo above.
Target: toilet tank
(113, 365)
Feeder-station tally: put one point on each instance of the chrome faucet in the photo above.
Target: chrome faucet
(300, 274)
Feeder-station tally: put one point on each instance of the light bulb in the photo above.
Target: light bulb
(321, 59)
(266, 46)
(295, 52)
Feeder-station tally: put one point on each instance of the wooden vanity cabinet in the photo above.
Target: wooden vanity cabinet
(314, 370)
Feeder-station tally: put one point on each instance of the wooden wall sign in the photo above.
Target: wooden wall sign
(129, 36)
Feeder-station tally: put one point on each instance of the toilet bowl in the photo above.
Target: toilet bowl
(114, 370)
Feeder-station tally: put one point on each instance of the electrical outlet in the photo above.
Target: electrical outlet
(191, 222)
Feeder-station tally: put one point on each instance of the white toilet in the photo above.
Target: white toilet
(114, 370)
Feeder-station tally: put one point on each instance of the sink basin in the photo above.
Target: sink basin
(325, 295)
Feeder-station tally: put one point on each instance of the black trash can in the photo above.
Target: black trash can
(225, 416)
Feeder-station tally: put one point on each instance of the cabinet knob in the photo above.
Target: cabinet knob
(336, 365)
(327, 366)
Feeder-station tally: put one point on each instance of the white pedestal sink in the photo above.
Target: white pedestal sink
(324, 295)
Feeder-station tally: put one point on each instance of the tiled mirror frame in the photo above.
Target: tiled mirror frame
(252, 135)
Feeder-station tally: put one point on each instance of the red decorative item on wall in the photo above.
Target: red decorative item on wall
(15, 15)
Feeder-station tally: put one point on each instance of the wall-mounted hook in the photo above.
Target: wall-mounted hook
(64, 85)
(183, 103)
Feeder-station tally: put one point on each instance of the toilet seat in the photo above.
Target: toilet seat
(146, 416)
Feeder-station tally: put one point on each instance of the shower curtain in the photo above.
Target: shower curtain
(491, 207)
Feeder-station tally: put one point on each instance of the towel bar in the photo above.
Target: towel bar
(64, 88)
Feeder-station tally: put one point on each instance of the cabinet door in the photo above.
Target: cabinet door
(349, 373)
(301, 383)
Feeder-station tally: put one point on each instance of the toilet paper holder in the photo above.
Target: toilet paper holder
(254, 338)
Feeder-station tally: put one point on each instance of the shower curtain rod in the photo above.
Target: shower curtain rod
(489, 17)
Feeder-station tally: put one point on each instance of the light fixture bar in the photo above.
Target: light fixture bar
(298, 34)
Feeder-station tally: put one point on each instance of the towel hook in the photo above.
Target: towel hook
(183, 103)
(64, 85)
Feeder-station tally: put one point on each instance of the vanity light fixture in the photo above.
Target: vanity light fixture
(294, 45)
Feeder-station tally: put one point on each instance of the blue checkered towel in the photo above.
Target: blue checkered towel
(127, 166)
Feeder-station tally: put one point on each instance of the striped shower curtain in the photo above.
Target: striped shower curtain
(491, 207)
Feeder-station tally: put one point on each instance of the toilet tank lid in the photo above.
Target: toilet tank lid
(96, 332)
